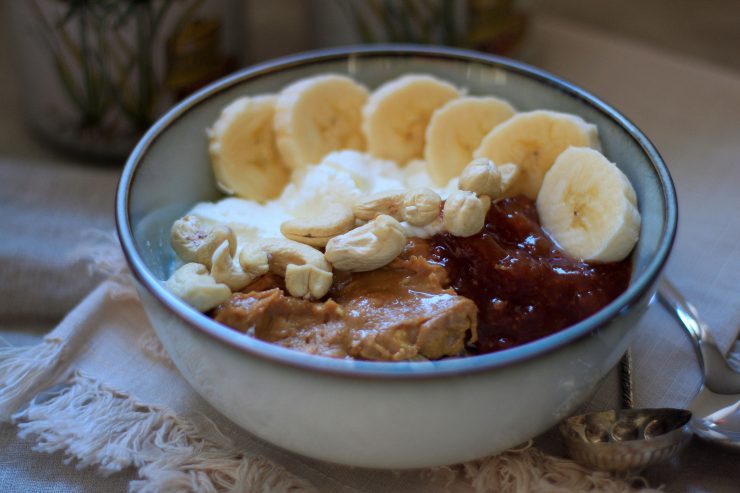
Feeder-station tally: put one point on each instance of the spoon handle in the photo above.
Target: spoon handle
(625, 370)
(718, 375)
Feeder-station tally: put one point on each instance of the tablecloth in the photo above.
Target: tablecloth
(690, 110)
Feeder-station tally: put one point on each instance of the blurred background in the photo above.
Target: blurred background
(707, 29)
(87, 77)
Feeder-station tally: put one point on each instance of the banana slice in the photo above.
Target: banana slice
(533, 140)
(243, 153)
(456, 130)
(589, 206)
(396, 115)
(317, 115)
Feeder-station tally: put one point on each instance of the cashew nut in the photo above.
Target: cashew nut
(307, 273)
(368, 247)
(307, 281)
(281, 252)
(316, 231)
(464, 213)
(509, 174)
(227, 270)
(383, 203)
(482, 177)
(192, 284)
(418, 207)
(253, 260)
(194, 240)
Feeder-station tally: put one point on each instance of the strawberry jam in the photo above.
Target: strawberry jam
(524, 285)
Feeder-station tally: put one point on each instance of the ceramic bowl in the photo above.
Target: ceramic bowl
(380, 414)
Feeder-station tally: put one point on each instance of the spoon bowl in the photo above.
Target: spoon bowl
(628, 439)
(716, 418)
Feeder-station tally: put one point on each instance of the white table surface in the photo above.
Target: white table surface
(690, 109)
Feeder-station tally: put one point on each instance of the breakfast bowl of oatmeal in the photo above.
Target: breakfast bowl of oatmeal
(395, 257)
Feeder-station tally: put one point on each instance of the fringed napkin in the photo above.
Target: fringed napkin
(101, 389)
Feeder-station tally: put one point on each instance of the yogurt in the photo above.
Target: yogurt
(340, 178)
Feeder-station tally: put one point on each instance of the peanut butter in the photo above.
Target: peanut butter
(399, 312)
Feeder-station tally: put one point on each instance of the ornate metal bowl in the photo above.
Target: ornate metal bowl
(629, 439)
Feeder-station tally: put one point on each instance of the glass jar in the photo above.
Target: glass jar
(97, 73)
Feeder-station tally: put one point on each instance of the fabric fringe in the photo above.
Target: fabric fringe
(528, 469)
(100, 427)
(23, 370)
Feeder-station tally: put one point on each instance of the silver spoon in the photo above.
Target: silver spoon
(719, 377)
(632, 439)
(716, 408)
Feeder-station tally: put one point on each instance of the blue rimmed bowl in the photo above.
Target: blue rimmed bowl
(377, 414)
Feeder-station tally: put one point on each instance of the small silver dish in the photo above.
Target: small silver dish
(628, 439)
